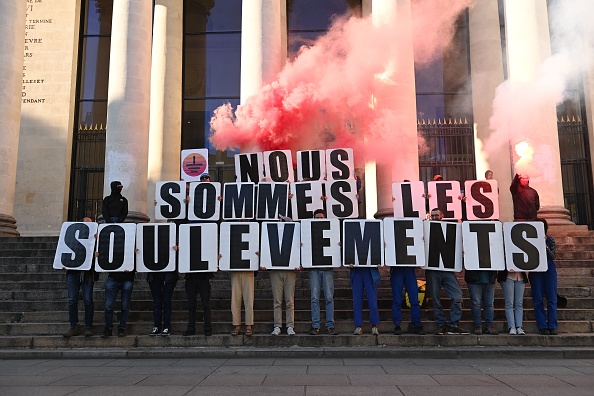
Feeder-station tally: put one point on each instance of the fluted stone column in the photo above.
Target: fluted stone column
(528, 45)
(263, 43)
(12, 41)
(127, 136)
(166, 96)
(405, 96)
(486, 63)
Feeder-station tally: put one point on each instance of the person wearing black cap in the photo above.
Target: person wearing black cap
(115, 206)
(205, 177)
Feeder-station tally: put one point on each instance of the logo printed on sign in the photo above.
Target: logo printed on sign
(194, 164)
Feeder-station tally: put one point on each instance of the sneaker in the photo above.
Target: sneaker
(358, 331)
(106, 333)
(492, 329)
(397, 330)
(418, 330)
(478, 330)
(544, 332)
(165, 333)
(374, 330)
(514, 331)
(331, 331)
(188, 333)
(155, 332)
(457, 331)
(121, 333)
(314, 331)
(290, 331)
(519, 331)
(553, 332)
(276, 331)
(441, 330)
(73, 332)
(88, 332)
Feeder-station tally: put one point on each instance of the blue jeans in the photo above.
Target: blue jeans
(162, 287)
(482, 295)
(399, 277)
(319, 278)
(75, 280)
(362, 279)
(112, 287)
(437, 279)
(514, 302)
(544, 284)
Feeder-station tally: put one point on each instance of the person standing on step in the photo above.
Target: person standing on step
(405, 277)
(162, 285)
(75, 281)
(544, 285)
(116, 282)
(481, 287)
(448, 280)
(513, 284)
(321, 279)
(115, 205)
(367, 279)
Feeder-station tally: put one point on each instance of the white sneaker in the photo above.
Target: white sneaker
(520, 331)
(290, 331)
(374, 331)
(358, 331)
(512, 330)
(276, 331)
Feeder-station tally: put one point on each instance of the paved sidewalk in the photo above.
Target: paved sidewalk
(297, 376)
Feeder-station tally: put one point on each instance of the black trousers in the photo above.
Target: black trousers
(193, 287)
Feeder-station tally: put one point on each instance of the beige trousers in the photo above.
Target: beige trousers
(242, 286)
(283, 284)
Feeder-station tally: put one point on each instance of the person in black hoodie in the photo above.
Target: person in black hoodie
(115, 206)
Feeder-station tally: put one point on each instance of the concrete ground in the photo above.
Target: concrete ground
(145, 376)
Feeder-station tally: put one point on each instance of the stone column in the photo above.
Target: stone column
(126, 148)
(12, 41)
(405, 95)
(263, 43)
(589, 99)
(166, 96)
(486, 63)
(528, 45)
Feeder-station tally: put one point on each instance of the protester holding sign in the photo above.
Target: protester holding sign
(162, 285)
(544, 285)
(513, 284)
(115, 282)
(318, 279)
(405, 277)
(115, 206)
(367, 279)
(435, 280)
(75, 281)
(481, 286)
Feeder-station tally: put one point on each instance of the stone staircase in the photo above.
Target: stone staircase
(33, 307)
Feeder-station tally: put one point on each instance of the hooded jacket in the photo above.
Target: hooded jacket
(115, 205)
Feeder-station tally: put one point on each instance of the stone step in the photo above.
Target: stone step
(12, 246)
(565, 254)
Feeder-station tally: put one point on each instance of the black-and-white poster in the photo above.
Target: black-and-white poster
(116, 247)
(170, 196)
(249, 167)
(409, 199)
(341, 199)
(483, 242)
(76, 246)
(239, 244)
(404, 246)
(363, 242)
(311, 165)
(239, 201)
(320, 243)
(272, 201)
(340, 164)
(280, 243)
(525, 246)
(446, 196)
(307, 197)
(443, 245)
(198, 247)
(482, 199)
(278, 166)
(204, 202)
(155, 247)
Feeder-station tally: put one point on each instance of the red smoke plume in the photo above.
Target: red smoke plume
(340, 92)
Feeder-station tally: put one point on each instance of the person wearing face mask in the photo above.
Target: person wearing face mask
(525, 198)
(115, 205)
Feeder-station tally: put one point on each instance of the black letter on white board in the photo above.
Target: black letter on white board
(73, 261)
(343, 171)
(443, 199)
(402, 242)
(318, 243)
(279, 170)
(248, 168)
(517, 236)
(440, 246)
(477, 194)
(241, 198)
(311, 166)
(119, 238)
(407, 202)
(482, 241)
(280, 253)
(336, 191)
(237, 245)
(303, 200)
(367, 245)
(196, 264)
(200, 191)
(166, 190)
(269, 201)
(163, 243)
